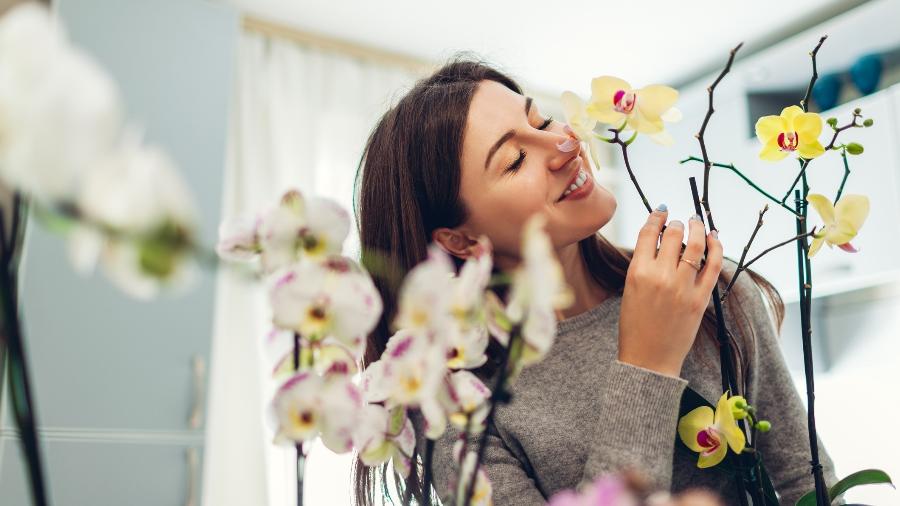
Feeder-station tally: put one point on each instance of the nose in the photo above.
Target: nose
(568, 146)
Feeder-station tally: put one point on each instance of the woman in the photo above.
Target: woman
(464, 153)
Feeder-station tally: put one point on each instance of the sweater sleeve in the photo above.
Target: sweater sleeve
(636, 424)
(785, 449)
(510, 482)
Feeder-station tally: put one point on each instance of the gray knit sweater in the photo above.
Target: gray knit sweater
(580, 413)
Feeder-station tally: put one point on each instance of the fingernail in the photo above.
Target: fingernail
(676, 223)
(662, 208)
(715, 233)
(695, 217)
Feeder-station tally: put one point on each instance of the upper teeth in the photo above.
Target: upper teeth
(579, 182)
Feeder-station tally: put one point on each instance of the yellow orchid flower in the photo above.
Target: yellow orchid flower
(842, 221)
(580, 125)
(710, 434)
(793, 130)
(613, 101)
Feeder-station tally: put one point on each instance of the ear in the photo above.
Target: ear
(455, 242)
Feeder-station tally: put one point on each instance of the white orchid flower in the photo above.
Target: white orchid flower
(296, 229)
(335, 297)
(384, 435)
(538, 290)
(307, 406)
(409, 371)
(425, 295)
(278, 231)
(468, 397)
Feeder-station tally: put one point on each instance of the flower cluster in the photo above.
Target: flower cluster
(64, 144)
(796, 131)
(323, 306)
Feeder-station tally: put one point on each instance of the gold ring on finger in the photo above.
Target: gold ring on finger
(693, 263)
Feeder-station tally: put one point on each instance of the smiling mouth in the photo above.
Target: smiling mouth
(578, 180)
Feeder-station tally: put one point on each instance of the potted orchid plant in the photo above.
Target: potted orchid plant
(730, 427)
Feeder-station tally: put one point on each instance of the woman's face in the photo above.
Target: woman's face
(513, 167)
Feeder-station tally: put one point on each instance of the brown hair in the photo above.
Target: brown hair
(407, 186)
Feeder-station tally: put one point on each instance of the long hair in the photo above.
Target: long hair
(407, 185)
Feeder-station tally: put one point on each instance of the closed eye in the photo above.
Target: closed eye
(517, 163)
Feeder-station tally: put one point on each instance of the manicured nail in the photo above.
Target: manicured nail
(662, 208)
(676, 223)
(715, 233)
(695, 217)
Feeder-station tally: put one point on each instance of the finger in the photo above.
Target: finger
(710, 273)
(696, 244)
(648, 236)
(670, 244)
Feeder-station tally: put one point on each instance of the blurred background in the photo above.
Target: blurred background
(162, 403)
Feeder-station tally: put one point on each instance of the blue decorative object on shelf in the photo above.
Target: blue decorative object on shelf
(866, 72)
(826, 91)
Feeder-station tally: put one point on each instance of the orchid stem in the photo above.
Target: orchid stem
(624, 145)
(731, 167)
(743, 267)
(759, 223)
(805, 290)
(846, 173)
(498, 394)
(12, 338)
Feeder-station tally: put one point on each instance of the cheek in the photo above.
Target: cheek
(501, 210)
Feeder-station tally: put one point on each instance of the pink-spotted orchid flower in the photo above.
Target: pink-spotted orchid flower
(644, 110)
(335, 297)
(711, 433)
(791, 131)
(842, 221)
(296, 229)
(425, 295)
(307, 405)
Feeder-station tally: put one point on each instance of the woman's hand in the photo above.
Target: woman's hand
(664, 298)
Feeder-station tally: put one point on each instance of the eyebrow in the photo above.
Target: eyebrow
(507, 136)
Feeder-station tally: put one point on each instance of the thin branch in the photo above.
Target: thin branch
(804, 163)
(741, 268)
(846, 173)
(815, 75)
(709, 113)
(759, 223)
(624, 144)
(852, 124)
(731, 167)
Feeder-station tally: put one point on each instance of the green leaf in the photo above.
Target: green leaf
(864, 477)
(855, 148)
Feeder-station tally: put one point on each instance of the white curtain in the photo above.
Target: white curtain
(300, 118)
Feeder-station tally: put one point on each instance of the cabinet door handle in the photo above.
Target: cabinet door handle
(193, 462)
(198, 366)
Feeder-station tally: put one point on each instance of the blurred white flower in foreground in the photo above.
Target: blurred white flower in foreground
(141, 221)
(59, 111)
(385, 435)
